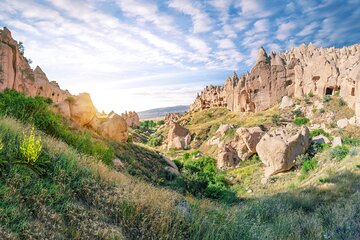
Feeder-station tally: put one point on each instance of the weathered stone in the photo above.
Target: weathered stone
(227, 157)
(82, 109)
(132, 118)
(279, 149)
(178, 137)
(337, 141)
(342, 123)
(286, 102)
(215, 140)
(300, 71)
(171, 117)
(115, 128)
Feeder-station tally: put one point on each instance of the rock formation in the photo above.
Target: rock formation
(171, 117)
(295, 73)
(279, 148)
(132, 118)
(240, 148)
(16, 73)
(178, 137)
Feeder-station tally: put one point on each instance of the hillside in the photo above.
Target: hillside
(158, 113)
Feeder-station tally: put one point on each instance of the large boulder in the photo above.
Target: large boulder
(178, 137)
(82, 109)
(240, 148)
(278, 149)
(246, 140)
(216, 139)
(115, 128)
(286, 102)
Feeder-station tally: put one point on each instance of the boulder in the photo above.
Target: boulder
(245, 141)
(115, 128)
(82, 109)
(171, 117)
(215, 140)
(279, 149)
(352, 121)
(337, 141)
(178, 137)
(64, 109)
(286, 102)
(227, 157)
(342, 123)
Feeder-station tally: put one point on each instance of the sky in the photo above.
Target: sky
(142, 54)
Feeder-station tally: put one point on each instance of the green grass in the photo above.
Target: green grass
(82, 199)
(301, 121)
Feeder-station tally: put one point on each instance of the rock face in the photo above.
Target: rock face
(295, 73)
(171, 117)
(286, 102)
(115, 128)
(16, 73)
(82, 109)
(240, 148)
(279, 149)
(178, 137)
(132, 118)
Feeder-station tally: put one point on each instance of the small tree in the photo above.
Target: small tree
(21, 48)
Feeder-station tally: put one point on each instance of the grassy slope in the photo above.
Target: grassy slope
(82, 198)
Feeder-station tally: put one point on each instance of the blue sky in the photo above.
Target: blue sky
(141, 54)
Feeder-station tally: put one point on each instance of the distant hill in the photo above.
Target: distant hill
(161, 112)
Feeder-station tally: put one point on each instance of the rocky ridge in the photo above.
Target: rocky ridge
(295, 73)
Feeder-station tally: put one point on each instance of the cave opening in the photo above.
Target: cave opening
(329, 91)
(353, 91)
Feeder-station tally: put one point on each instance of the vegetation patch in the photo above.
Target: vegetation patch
(301, 121)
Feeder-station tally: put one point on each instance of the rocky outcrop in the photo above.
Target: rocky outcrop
(132, 118)
(240, 148)
(178, 137)
(171, 117)
(297, 72)
(81, 110)
(278, 149)
(16, 73)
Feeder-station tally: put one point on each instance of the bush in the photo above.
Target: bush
(297, 112)
(275, 119)
(341, 102)
(202, 178)
(326, 98)
(321, 110)
(301, 121)
(339, 152)
(311, 94)
(355, 142)
(319, 131)
(154, 141)
(30, 148)
(308, 165)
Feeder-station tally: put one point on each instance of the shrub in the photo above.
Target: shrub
(154, 141)
(319, 131)
(341, 102)
(311, 94)
(301, 121)
(307, 100)
(321, 110)
(351, 141)
(275, 119)
(308, 165)
(30, 148)
(297, 112)
(326, 98)
(339, 152)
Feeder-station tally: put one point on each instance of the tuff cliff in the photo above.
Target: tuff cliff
(16, 73)
(295, 73)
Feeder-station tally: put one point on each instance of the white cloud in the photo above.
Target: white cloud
(201, 21)
(253, 9)
(284, 31)
(226, 44)
(199, 45)
(308, 29)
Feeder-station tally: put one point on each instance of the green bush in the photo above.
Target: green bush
(297, 112)
(326, 98)
(321, 110)
(319, 131)
(341, 102)
(311, 94)
(309, 164)
(355, 142)
(203, 179)
(154, 141)
(275, 119)
(339, 152)
(301, 121)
